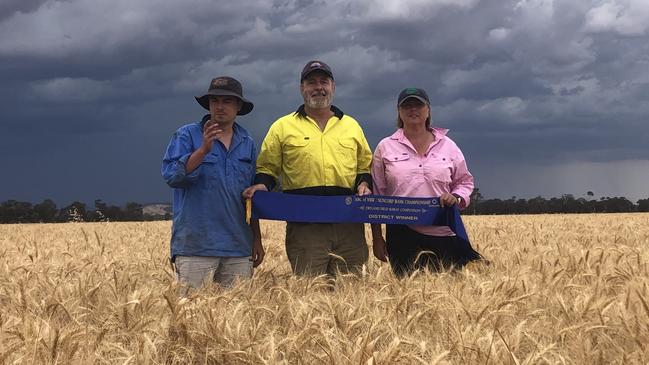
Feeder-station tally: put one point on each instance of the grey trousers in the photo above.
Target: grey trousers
(194, 271)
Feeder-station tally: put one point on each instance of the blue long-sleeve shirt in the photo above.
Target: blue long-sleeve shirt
(208, 210)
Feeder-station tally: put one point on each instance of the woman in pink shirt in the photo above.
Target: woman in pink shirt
(420, 161)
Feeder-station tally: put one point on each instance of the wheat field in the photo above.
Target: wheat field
(567, 289)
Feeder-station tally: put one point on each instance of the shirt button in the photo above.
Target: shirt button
(419, 165)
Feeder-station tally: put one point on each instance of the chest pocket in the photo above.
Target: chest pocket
(346, 155)
(244, 171)
(296, 154)
(295, 146)
(211, 168)
(398, 169)
(440, 169)
(297, 142)
(395, 158)
(347, 145)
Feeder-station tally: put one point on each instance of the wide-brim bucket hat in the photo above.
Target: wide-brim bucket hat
(225, 86)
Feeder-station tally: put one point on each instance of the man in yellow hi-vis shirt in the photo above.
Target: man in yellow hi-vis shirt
(318, 150)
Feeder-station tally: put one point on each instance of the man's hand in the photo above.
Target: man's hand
(447, 200)
(363, 189)
(250, 191)
(379, 248)
(257, 252)
(211, 132)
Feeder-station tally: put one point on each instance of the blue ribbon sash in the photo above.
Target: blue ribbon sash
(357, 209)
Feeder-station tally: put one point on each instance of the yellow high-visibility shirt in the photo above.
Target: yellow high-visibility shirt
(301, 155)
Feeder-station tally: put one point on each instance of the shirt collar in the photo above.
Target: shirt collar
(206, 117)
(439, 133)
(337, 112)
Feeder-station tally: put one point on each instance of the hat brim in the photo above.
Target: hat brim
(414, 97)
(204, 100)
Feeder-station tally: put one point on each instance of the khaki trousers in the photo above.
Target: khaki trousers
(326, 248)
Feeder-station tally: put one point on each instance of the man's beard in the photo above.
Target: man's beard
(318, 102)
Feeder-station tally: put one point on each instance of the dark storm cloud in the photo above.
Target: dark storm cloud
(9, 8)
(93, 90)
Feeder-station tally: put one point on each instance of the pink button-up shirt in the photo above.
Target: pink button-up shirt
(398, 170)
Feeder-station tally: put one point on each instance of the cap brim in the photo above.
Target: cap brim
(414, 97)
(328, 73)
(204, 100)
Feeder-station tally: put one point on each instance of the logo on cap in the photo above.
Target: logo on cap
(219, 82)
(411, 90)
(316, 64)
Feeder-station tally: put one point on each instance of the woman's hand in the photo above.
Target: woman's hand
(447, 200)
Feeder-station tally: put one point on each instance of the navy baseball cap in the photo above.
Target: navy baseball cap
(316, 65)
(415, 93)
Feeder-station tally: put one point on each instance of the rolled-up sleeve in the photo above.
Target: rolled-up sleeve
(462, 180)
(175, 158)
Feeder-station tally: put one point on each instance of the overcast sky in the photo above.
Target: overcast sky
(543, 97)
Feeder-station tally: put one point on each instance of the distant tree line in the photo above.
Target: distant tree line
(12, 211)
(567, 203)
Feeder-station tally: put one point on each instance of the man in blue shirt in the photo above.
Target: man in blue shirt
(209, 164)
